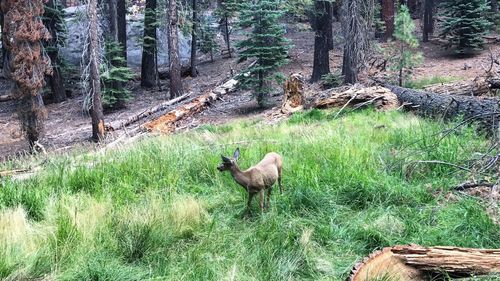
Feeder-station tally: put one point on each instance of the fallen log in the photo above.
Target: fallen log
(453, 260)
(166, 123)
(485, 111)
(6, 98)
(382, 98)
(121, 124)
(9, 173)
(413, 262)
(475, 87)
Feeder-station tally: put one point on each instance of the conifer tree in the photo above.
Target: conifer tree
(266, 43)
(464, 23)
(403, 56)
(207, 44)
(226, 10)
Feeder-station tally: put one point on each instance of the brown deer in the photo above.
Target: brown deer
(256, 179)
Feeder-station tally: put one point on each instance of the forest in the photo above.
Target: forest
(250, 140)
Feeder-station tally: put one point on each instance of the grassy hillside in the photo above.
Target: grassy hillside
(161, 210)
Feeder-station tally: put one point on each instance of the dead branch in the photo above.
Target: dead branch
(4, 98)
(381, 97)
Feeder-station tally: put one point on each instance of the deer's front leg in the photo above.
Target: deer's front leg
(261, 201)
(250, 197)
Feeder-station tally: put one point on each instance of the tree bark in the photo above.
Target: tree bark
(413, 262)
(475, 87)
(494, 7)
(95, 84)
(194, 71)
(454, 260)
(388, 11)
(121, 21)
(149, 73)
(58, 92)
(329, 28)
(485, 111)
(321, 63)
(428, 26)
(173, 49)
(228, 42)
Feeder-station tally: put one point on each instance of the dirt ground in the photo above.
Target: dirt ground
(68, 125)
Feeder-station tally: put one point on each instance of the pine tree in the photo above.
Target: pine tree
(403, 56)
(266, 43)
(114, 76)
(464, 23)
(207, 44)
(226, 10)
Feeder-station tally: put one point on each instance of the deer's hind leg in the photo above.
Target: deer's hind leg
(269, 190)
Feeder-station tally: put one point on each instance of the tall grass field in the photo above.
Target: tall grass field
(160, 210)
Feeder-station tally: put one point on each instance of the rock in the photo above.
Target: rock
(75, 24)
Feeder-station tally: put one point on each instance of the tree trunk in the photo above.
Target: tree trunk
(388, 11)
(428, 26)
(228, 42)
(194, 71)
(173, 50)
(121, 21)
(321, 64)
(413, 262)
(476, 87)
(453, 260)
(55, 80)
(27, 71)
(412, 6)
(485, 111)
(149, 74)
(166, 123)
(95, 85)
(329, 28)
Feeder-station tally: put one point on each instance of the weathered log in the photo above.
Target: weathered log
(294, 94)
(412, 262)
(9, 173)
(486, 111)
(475, 87)
(382, 98)
(454, 260)
(118, 125)
(6, 98)
(166, 123)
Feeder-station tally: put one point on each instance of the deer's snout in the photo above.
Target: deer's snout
(220, 168)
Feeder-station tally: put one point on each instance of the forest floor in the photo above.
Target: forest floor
(68, 125)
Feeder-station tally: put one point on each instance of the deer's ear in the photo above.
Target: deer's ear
(236, 154)
(225, 159)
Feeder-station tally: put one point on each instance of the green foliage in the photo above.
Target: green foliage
(114, 75)
(159, 209)
(207, 40)
(266, 44)
(332, 80)
(402, 55)
(300, 10)
(464, 24)
(378, 23)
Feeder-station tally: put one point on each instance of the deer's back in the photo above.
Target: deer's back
(266, 172)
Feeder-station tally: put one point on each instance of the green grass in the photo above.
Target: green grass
(159, 209)
(427, 81)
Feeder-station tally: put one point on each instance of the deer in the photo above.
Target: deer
(259, 178)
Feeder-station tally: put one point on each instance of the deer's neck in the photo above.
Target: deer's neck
(240, 177)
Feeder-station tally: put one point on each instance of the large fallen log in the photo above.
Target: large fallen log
(475, 87)
(453, 260)
(382, 98)
(486, 111)
(413, 262)
(155, 109)
(166, 123)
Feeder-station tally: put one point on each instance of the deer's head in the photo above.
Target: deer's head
(228, 163)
